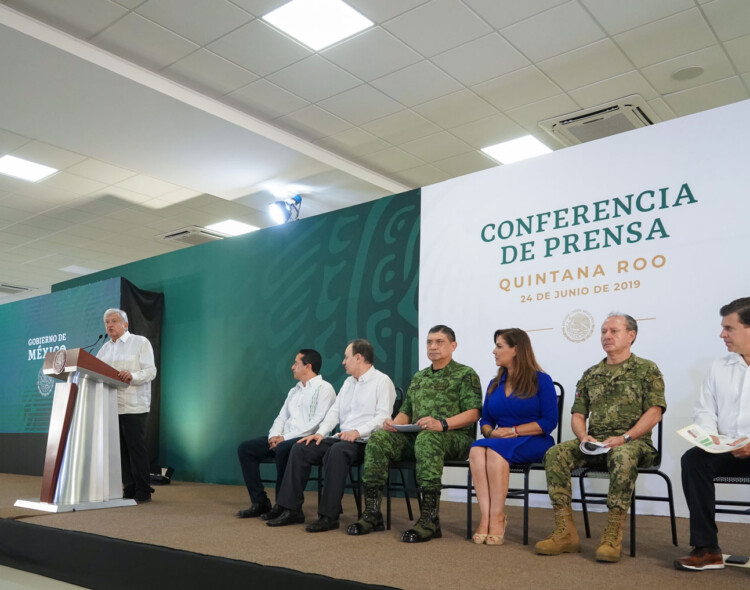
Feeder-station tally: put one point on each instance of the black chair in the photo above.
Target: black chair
(401, 468)
(318, 476)
(601, 498)
(523, 493)
(721, 504)
(521, 468)
(527, 468)
(404, 467)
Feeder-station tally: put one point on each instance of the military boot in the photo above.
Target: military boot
(610, 548)
(372, 518)
(564, 539)
(428, 525)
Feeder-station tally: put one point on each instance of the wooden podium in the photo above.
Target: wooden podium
(82, 462)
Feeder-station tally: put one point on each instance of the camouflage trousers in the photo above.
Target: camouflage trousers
(622, 463)
(428, 448)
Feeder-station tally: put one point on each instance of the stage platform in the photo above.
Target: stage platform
(188, 537)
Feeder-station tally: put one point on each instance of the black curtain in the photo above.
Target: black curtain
(145, 311)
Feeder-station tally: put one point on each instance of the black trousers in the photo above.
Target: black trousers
(250, 454)
(698, 471)
(133, 455)
(336, 456)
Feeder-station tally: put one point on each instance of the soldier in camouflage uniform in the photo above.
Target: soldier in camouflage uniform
(623, 398)
(445, 400)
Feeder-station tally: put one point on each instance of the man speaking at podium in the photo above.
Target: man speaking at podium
(133, 357)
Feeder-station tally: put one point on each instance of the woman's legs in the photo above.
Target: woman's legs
(498, 477)
(478, 465)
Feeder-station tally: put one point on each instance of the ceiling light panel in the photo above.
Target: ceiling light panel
(232, 227)
(318, 23)
(24, 169)
(516, 149)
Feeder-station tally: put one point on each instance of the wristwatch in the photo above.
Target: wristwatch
(627, 437)
(444, 424)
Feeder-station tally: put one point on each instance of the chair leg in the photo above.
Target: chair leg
(632, 526)
(670, 497)
(583, 507)
(406, 495)
(525, 507)
(388, 502)
(468, 503)
(357, 488)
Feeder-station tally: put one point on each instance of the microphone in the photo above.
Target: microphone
(86, 348)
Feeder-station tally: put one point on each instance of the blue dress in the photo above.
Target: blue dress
(501, 411)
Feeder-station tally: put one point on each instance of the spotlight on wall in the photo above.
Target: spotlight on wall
(286, 210)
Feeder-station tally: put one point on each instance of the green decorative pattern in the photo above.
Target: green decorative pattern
(237, 310)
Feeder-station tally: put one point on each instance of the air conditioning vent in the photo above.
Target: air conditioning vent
(6, 289)
(604, 120)
(191, 235)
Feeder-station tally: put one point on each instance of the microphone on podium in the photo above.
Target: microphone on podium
(86, 348)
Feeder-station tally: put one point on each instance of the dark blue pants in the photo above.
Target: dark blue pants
(250, 454)
(698, 471)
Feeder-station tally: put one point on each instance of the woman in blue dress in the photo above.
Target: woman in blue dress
(519, 412)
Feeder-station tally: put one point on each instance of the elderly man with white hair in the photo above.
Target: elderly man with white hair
(133, 357)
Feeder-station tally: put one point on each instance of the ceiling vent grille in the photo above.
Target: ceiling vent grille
(6, 289)
(192, 235)
(604, 120)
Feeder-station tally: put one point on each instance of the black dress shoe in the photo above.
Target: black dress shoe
(287, 517)
(275, 512)
(324, 523)
(141, 497)
(259, 509)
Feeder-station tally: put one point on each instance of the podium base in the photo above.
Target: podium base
(47, 507)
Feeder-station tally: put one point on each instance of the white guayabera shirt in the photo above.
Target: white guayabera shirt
(134, 354)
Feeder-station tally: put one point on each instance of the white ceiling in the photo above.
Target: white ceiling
(166, 113)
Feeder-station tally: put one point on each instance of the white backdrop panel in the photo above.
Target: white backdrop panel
(684, 256)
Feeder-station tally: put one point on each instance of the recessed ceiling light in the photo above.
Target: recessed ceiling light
(232, 227)
(687, 73)
(23, 169)
(515, 150)
(77, 270)
(318, 23)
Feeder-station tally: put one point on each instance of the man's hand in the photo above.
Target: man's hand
(274, 441)
(587, 438)
(125, 376)
(429, 423)
(349, 435)
(614, 441)
(308, 439)
(742, 453)
(388, 425)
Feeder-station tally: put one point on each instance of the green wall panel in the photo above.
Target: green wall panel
(237, 310)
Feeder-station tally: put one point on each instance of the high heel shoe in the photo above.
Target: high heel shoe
(497, 539)
(479, 538)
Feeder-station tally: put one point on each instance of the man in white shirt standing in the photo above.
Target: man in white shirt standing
(133, 357)
(723, 409)
(305, 407)
(364, 402)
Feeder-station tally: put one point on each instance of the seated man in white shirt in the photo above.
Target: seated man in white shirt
(723, 409)
(305, 407)
(364, 402)
(133, 357)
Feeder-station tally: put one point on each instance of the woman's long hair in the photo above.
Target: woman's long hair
(524, 380)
